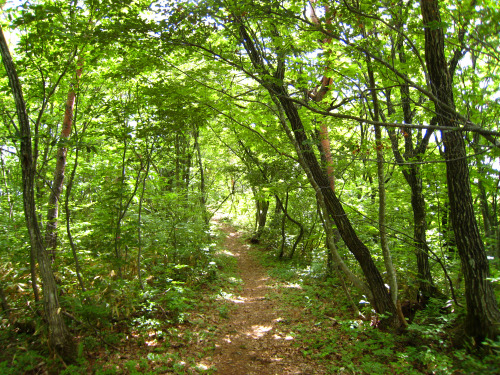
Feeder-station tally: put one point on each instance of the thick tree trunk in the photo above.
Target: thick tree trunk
(58, 183)
(483, 315)
(60, 338)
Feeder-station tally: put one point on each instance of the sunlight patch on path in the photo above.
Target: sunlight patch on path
(291, 286)
(226, 252)
(258, 331)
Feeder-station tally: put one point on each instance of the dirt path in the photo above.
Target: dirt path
(256, 339)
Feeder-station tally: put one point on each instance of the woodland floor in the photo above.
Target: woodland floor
(240, 328)
(241, 321)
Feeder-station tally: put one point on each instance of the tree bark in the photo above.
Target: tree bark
(58, 183)
(483, 315)
(59, 338)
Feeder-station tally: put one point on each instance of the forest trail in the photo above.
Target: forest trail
(255, 339)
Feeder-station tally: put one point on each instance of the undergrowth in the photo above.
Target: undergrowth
(327, 329)
(122, 329)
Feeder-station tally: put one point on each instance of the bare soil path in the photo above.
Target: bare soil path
(256, 339)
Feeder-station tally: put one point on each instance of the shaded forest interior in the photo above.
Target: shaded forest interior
(354, 146)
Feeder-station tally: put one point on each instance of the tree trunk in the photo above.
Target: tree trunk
(139, 222)
(483, 315)
(262, 207)
(280, 208)
(382, 302)
(381, 298)
(412, 176)
(6, 192)
(283, 226)
(68, 227)
(427, 288)
(384, 243)
(203, 199)
(59, 337)
(413, 153)
(3, 302)
(58, 183)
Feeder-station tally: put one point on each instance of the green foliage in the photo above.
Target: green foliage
(23, 362)
(352, 346)
(173, 123)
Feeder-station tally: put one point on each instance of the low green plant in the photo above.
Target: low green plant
(23, 362)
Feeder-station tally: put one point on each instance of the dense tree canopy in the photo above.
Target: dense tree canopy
(360, 140)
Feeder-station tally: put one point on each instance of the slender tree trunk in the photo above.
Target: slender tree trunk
(3, 302)
(262, 207)
(380, 297)
(427, 288)
(483, 315)
(123, 208)
(384, 243)
(412, 174)
(59, 337)
(279, 207)
(203, 199)
(58, 183)
(139, 224)
(382, 300)
(33, 274)
(6, 186)
(283, 233)
(119, 214)
(278, 92)
(68, 227)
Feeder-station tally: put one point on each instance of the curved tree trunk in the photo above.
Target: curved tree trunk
(279, 207)
(59, 337)
(483, 315)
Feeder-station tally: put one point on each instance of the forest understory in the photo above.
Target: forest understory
(258, 315)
